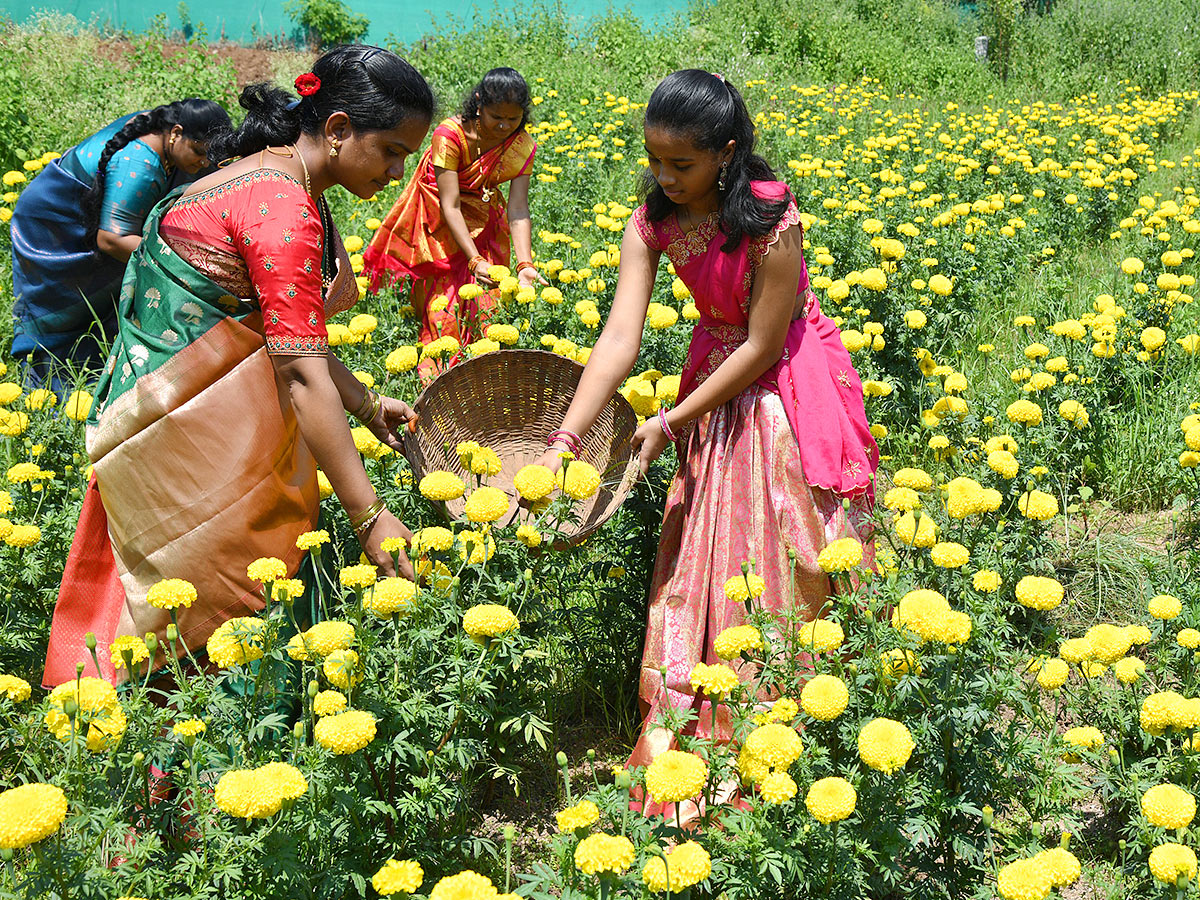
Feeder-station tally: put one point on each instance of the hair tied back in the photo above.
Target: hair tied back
(719, 77)
(307, 84)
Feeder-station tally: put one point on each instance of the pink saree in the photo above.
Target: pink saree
(762, 474)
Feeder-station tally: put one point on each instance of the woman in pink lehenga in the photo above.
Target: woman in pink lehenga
(769, 425)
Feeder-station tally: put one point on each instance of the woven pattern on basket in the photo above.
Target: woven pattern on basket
(509, 401)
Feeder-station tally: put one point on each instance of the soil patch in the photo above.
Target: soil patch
(251, 63)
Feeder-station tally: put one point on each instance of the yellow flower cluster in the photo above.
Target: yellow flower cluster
(604, 853)
(732, 642)
(398, 877)
(534, 482)
(390, 597)
(885, 745)
(345, 732)
(237, 642)
(927, 614)
(824, 697)
(171, 593)
(488, 620)
(741, 588)
(831, 800)
(30, 813)
(685, 866)
(261, 792)
(583, 814)
(578, 480)
(486, 504)
(1169, 806)
(840, 555)
(441, 486)
(99, 717)
(715, 681)
(674, 776)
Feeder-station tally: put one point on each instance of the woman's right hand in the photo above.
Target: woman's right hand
(387, 526)
(480, 274)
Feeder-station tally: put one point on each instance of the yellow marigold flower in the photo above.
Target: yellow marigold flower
(400, 360)
(23, 536)
(489, 620)
(1084, 737)
(583, 814)
(1108, 642)
(738, 639)
(1168, 806)
(940, 285)
(1129, 669)
(534, 482)
(466, 885)
(901, 499)
(15, 689)
(986, 581)
(398, 877)
(266, 569)
(1038, 505)
(325, 637)
(259, 793)
(674, 776)
(752, 769)
(915, 479)
(286, 590)
(990, 500)
(777, 787)
(1003, 464)
(578, 480)
(486, 504)
(775, 745)
(949, 555)
(716, 681)
(171, 593)
(1024, 879)
(1037, 592)
(741, 588)
(326, 703)
(899, 662)
(1169, 861)
(821, 635)
(477, 459)
(1188, 638)
(41, 398)
(442, 486)
(914, 531)
(128, 644)
(885, 745)
(341, 668)
(433, 538)
(840, 555)
(29, 813)
(475, 548)
(1160, 711)
(687, 865)
(873, 279)
(785, 709)
(391, 596)
(831, 800)
(915, 319)
(1076, 650)
(358, 577)
(345, 732)
(1061, 865)
(604, 853)
(24, 472)
(824, 697)
(189, 728)
(1164, 606)
(1024, 412)
(237, 641)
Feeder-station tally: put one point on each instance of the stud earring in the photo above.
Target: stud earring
(721, 177)
(333, 149)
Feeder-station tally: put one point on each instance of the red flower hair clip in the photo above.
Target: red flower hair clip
(307, 84)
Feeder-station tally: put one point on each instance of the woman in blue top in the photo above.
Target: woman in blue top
(76, 225)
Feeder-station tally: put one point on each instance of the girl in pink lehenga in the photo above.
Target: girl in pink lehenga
(769, 425)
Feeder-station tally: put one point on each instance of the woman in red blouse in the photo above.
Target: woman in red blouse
(221, 397)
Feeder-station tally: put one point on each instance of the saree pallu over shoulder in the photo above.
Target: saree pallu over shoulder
(199, 463)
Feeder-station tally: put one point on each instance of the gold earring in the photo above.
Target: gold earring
(333, 148)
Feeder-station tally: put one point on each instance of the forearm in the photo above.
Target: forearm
(610, 363)
(457, 223)
(521, 228)
(741, 368)
(350, 389)
(119, 246)
(321, 417)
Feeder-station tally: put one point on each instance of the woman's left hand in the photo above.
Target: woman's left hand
(528, 276)
(652, 440)
(389, 425)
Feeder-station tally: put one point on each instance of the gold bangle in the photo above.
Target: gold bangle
(362, 407)
(357, 522)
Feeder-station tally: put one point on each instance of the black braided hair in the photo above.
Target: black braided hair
(502, 85)
(710, 112)
(375, 88)
(198, 118)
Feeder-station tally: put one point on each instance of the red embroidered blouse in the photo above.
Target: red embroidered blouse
(259, 236)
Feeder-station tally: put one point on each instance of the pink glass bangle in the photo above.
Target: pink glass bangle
(570, 438)
(662, 420)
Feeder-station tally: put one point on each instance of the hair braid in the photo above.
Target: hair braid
(140, 125)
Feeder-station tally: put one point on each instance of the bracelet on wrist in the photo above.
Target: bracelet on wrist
(662, 421)
(570, 438)
(474, 263)
(364, 406)
(525, 264)
(359, 522)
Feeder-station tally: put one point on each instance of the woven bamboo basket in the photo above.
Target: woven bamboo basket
(509, 401)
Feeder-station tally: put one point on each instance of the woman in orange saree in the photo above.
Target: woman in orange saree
(452, 223)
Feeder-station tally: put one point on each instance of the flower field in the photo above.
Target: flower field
(988, 711)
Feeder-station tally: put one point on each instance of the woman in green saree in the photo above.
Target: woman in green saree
(221, 397)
